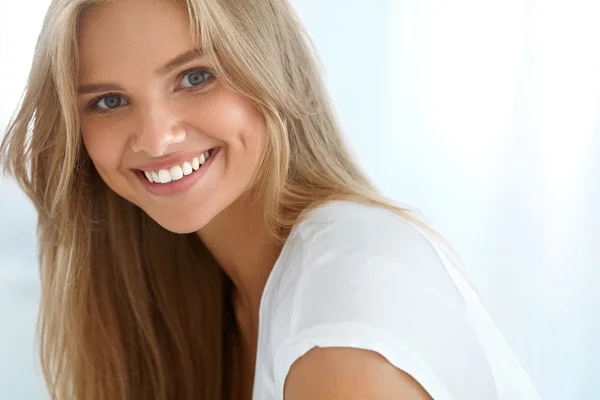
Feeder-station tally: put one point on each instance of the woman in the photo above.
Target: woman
(205, 233)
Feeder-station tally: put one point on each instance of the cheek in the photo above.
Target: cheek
(237, 123)
(255, 134)
(104, 144)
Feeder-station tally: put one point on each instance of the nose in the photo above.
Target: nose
(158, 130)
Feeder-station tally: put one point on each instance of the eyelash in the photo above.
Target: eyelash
(93, 104)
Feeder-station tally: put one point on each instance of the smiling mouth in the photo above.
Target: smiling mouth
(179, 171)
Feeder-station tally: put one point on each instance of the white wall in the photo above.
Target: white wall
(482, 114)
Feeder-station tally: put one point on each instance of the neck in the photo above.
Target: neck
(239, 241)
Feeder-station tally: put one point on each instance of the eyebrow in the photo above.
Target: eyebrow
(162, 71)
(179, 60)
(98, 87)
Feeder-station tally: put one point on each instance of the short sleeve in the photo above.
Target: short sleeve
(383, 288)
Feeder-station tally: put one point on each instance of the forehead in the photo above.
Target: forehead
(129, 35)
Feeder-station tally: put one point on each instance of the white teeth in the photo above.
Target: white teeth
(149, 176)
(164, 175)
(187, 168)
(176, 173)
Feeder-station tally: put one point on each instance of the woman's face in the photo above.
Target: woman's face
(151, 110)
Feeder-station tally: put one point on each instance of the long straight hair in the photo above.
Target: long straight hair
(120, 317)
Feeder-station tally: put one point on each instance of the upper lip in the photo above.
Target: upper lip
(170, 161)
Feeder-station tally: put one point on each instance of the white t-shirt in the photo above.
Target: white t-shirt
(360, 276)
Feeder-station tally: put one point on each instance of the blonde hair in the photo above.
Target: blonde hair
(119, 318)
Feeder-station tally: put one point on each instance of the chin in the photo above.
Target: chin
(180, 222)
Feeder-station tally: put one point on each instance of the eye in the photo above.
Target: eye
(109, 102)
(195, 77)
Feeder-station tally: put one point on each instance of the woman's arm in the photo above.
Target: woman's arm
(343, 373)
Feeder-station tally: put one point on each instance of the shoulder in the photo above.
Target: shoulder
(368, 245)
(362, 230)
(359, 276)
(340, 222)
(365, 263)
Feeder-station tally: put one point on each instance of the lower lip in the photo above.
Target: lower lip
(180, 186)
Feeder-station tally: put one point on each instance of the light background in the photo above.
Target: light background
(482, 114)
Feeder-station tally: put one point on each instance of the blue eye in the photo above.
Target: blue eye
(109, 102)
(195, 77)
